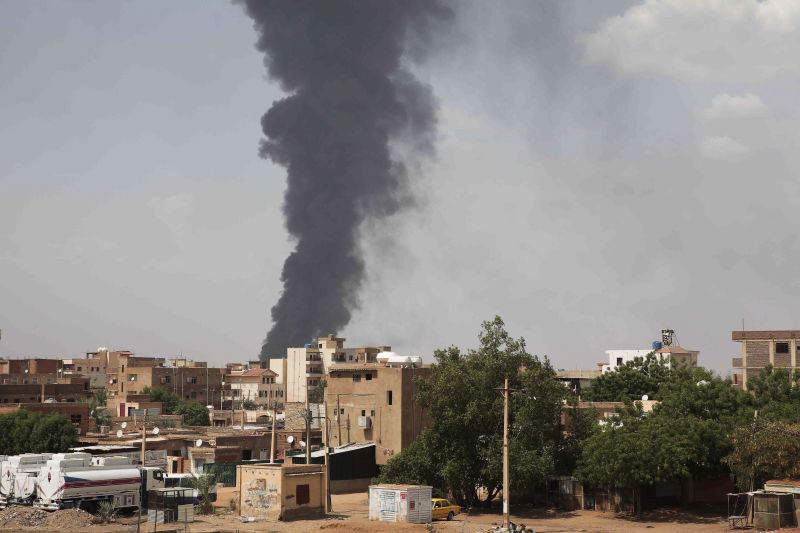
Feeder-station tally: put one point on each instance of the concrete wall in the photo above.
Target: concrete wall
(270, 492)
(365, 390)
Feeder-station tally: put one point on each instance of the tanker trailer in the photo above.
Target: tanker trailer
(65, 483)
(18, 478)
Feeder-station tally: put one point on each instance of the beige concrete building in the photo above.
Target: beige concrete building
(758, 349)
(92, 366)
(374, 402)
(281, 492)
(258, 385)
(304, 368)
(192, 381)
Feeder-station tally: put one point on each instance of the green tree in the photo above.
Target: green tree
(27, 432)
(194, 414)
(635, 450)
(462, 449)
(317, 394)
(98, 410)
(169, 400)
(629, 382)
(764, 450)
(250, 405)
(776, 394)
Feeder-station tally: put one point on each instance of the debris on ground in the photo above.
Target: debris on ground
(515, 528)
(20, 516)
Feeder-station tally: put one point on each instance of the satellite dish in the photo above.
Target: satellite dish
(119, 433)
(155, 431)
(302, 444)
(290, 439)
(210, 407)
(123, 425)
(645, 398)
(198, 442)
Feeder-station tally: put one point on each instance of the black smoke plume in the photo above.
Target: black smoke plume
(351, 103)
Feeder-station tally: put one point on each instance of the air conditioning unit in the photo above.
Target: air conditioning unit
(365, 422)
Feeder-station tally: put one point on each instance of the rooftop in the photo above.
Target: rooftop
(766, 335)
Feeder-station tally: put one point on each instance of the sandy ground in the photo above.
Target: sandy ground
(350, 515)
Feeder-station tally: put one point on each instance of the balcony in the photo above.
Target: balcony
(314, 371)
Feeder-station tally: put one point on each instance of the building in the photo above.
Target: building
(281, 492)
(93, 366)
(666, 349)
(78, 413)
(577, 380)
(758, 349)
(304, 368)
(258, 385)
(374, 402)
(130, 375)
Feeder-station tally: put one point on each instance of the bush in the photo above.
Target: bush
(194, 414)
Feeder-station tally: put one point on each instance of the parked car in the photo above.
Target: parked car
(441, 508)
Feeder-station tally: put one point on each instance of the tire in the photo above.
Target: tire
(450, 515)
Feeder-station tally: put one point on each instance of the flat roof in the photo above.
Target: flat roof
(766, 335)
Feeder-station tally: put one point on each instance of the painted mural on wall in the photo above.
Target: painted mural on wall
(261, 495)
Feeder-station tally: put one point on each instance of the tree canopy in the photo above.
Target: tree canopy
(29, 432)
(194, 414)
(462, 449)
(169, 400)
(630, 381)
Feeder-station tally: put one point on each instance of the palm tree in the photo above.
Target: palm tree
(203, 485)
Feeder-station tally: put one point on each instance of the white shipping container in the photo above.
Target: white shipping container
(400, 503)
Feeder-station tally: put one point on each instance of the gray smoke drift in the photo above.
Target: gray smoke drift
(350, 98)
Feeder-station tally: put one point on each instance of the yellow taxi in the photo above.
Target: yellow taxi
(441, 508)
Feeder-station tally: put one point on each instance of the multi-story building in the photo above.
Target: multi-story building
(374, 402)
(779, 348)
(36, 380)
(93, 366)
(258, 385)
(193, 381)
(666, 350)
(304, 368)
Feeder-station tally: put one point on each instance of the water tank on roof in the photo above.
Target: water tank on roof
(309, 345)
(382, 357)
(657, 345)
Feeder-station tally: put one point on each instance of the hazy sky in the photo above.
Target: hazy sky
(605, 169)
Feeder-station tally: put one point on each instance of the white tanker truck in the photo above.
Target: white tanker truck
(18, 477)
(76, 480)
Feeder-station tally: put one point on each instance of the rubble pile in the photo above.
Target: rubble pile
(19, 516)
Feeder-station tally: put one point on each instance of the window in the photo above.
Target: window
(781, 347)
(192, 380)
(363, 412)
(341, 411)
(372, 413)
(247, 455)
(619, 361)
(388, 397)
(303, 494)
(194, 395)
(35, 381)
(75, 419)
(356, 378)
(368, 376)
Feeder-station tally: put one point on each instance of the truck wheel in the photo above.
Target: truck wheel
(450, 515)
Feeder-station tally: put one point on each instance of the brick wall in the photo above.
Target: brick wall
(783, 360)
(757, 353)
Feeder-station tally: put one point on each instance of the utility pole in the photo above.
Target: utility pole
(308, 430)
(274, 423)
(506, 485)
(325, 437)
(338, 421)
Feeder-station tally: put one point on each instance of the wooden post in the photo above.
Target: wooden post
(308, 430)
(338, 421)
(274, 423)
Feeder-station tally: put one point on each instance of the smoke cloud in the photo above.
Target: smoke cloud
(352, 107)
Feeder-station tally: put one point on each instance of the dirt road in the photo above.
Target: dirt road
(350, 515)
